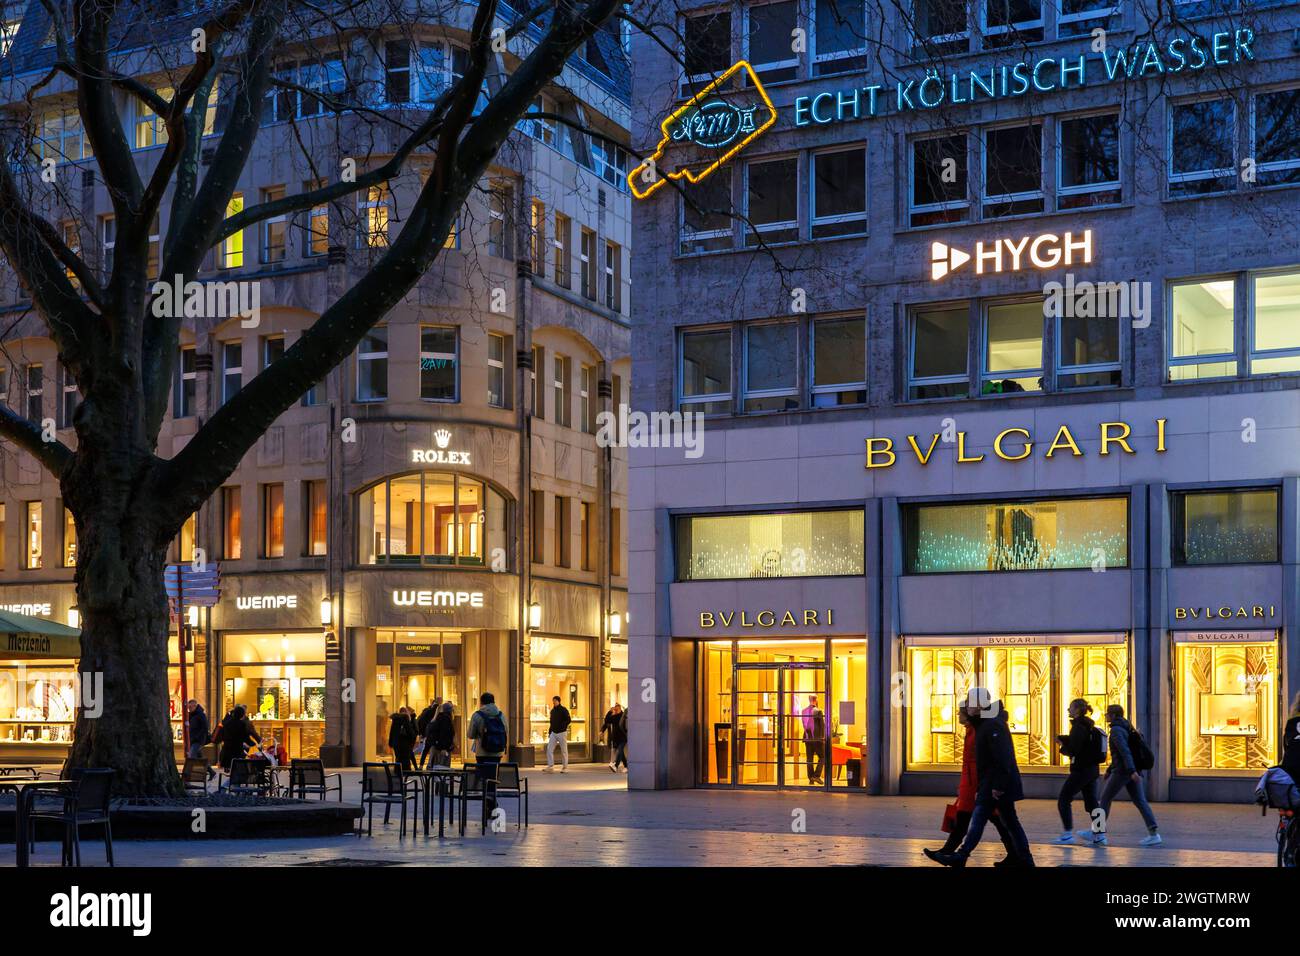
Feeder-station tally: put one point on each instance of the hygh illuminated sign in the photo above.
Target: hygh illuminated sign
(1045, 251)
(439, 455)
(1143, 60)
(714, 123)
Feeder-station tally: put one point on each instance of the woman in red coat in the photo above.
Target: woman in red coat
(967, 788)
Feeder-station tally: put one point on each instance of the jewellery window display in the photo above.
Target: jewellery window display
(560, 668)
(37, 702)
(280, 680)
(1226, 706)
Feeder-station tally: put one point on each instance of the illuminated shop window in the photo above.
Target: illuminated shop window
(1202, 333)
(69, 540)
(771, 366)
(280, 680)
(938, 347)
(430, 518)
(1016, 536)
(839, 361)
(1010, 22)
(706, 214)
(939, 188)
(768, 29)
(1275, 122)
(1013, 348)
(1081, 17)
(940, 27)
(838, 202)
(1202, 147)
(560, 668)
(1088, 161)
(1275, 323)
(33, 533)
(1225, 527)
(1087, 351)
(1226, 700)
(839, 36)
(1013, 170)
(782, 545)
(1035, 683)
(706, 53)
(704, 375)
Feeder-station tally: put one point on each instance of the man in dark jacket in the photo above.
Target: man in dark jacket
(1123, 774)
(426, 715)
(199, 730)
(236, 734)
(999, 781)
(614, 729)
(558, 736)
(401, 739)
(1085, 762)
(439, 737)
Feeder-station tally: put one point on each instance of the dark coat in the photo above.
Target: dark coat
(560, 719)
(995, 756)
(199, 729)
(426, 717)
(401, 733)
(616, 726)
(440, 734)
(1078, 746)
(1121, 756)
(235, 733)
(1291, 748)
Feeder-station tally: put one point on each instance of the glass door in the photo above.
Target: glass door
(780, 732)
(805, 738)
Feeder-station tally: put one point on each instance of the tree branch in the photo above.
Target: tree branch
(54, 455)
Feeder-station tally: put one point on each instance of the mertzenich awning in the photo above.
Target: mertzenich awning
(23, 638)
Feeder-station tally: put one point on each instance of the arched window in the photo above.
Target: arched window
(432, 518)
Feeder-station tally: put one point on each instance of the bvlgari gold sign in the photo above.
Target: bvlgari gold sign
(768, 619)
(1225, 612)
(1011, 444)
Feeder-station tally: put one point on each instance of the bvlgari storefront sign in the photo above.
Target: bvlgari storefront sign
(1012, 444)
(768, 620)
(1226, 612)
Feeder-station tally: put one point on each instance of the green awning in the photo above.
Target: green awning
(23, 637)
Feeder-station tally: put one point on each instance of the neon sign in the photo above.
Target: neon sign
(439, 455)
(1044, 251)
(709, 121)
(1046, 75)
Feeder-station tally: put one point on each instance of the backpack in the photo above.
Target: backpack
(1276, 789)
(1143, 758)
(1100, 744)
(493, 738)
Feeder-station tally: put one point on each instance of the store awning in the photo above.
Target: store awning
(23, 638)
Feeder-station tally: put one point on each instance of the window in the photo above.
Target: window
(537, 531)
(59, 136)
(1202, 154)
(375, 207)
(542, 128)
(1088, 161)
(563, 396)
(232, 545)
(322, 84)
(839, 36)
(563, 267)
(1013, 171)
(33, 530)
(613, 276)
(107, 240)
(372, 366)
(587, 534)
(3, 528)
(587, 255)
(273, 521)
(706, 49)
(939, 181)
(782, 545)
(232, 247)
(1013, 348)
(8, 30)
(1016, 536)
(839, 362)
(273, 229)
(415, 72)
(69, 540)
(315, 517)
(1225, 527)
(430, 518)
(501, 204)
(67, 397)
(439, 363)
(272, 349)
(1276, 133)
(1225, 703)
(586, 383)
(1202, 334)
(71, 239)
(1011, 22)
(772, 201)
(704, 379)
(609, 162)
(706, 214)
(538, 376)
(537, 237)
(316, 240)
(938, 347)
(186, 540)
(839, 193)
(770, 366)
(154, 265)
(1275, 323)
(232, 370)
(1081, 17)
(940, 26)
(150, 129)
(1087, 351)
(615, 541)
(769, 29)
(34, 376)
(497, 348)
(563, 508)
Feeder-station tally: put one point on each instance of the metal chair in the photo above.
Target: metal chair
(309, 776)
(195, 775)
(87, 804)
(511, 783)
(248, 777)
(477, 783)
(383, 783)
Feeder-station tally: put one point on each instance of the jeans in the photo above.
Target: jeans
(815, 749)
(562, 741)
(960, 826)
(1082, 778)
(196, 751)
(1111, 788)
(620, 752)
(1015, 839)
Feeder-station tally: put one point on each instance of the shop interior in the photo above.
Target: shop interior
(280, 679)
(1227, 707)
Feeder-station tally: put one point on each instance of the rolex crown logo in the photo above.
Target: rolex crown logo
(442, 437)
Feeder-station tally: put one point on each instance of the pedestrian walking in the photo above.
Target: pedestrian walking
(401, 739)
(814, 740)
(237, 734)
(999, 783)
(439, 736)
(487, 731)
(200, 734)
(1085, 745)
(1129, 756)
(1291, 742)
(558, 736)
(614, 730)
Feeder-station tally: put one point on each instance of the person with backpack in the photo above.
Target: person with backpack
(1086, 747)
(1129, 756)
(614, 730)
(401, 739)
(1291, 742)
(487, 731)
(558, 736)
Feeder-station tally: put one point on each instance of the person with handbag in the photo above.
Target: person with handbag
(956, 817)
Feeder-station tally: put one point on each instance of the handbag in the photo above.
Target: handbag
(949, 818)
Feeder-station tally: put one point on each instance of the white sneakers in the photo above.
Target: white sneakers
(1153, 840)
(549, 770)
(613, 768)
(1066, 837)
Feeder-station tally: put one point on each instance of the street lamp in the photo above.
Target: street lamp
(194, 615)
(326, 612)
(74, 616)
(615, 623)
(534, 616)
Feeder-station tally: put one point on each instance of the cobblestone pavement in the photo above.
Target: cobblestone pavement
(588, 817)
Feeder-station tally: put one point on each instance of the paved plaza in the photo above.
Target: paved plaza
(588, 818)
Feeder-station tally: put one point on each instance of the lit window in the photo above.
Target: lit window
(1275, 325)
(273, 521)
(186, 540)
(69, 540)
(587, 535)
(430, 518)
(376, 209)
(939, 188)
(1276, 122)
(772, 201)
(1088, 161)
(1225, 527)
(768, 31)
(839, 362)
(439, 363)
(1013, 348)
(537, 237)
(232, 249)
(563, 546)
(33, 530)
(938, 347)
(780, 545)
(1202, 154)
(771, 366)
(1088, 350)
(315, 517)
(839, 193)
(563, 260)
(1013, 171)
(1226, 697)
(232, 543)
(705, 211)
(317, 232)
(839, 36)
(704, 378)
(232, 370)
(59, 136)
(150, 129)
(372, 366)
(1202, 333)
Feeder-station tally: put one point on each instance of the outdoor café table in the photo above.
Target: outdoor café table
(25, 790)
(435, 778)
(12, 770)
